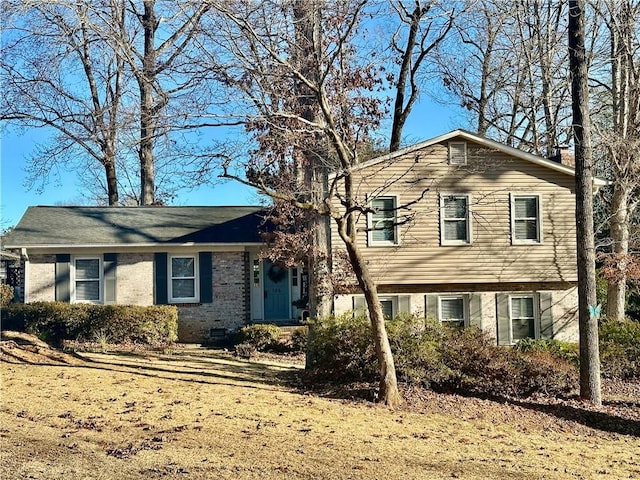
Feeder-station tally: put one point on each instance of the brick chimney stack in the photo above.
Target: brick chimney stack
(563, 156)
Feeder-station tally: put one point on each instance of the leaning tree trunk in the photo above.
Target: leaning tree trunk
(588, 323)
(388, 388)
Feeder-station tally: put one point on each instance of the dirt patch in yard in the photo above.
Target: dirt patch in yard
(198, 414)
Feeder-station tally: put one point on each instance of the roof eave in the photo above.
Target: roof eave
(482, 141)
(136, 245)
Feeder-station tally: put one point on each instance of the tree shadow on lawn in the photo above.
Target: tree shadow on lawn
(590, 417)
(227, 370)
(218, 370)
(571, 410)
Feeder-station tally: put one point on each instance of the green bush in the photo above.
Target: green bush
(342, 348)
(57, 321)
(563, 350)
(6, 294)
(415, 346)
(620, 348)
(261, 335)
(426, 353)
(299, 339)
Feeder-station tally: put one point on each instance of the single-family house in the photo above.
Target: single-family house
(204, 260)
(471, 232)
(461, 228)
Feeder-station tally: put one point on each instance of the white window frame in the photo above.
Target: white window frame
(100, 279)
(443, 239)
(196, 279)
(394, 305)
(524, 241)
(535, 318)
(370, 225)
(465, 307)
(457, 153)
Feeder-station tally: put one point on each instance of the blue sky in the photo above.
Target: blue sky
(428, 119)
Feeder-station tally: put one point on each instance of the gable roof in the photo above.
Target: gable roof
(136, 226)
(486, 142)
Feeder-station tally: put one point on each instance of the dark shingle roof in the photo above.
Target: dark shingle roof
(44, 226)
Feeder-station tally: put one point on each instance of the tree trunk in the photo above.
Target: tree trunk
(399, 112)
(388, 388)
(617, 289)
(147, 114)
(588, 324)
(112, 183)
(315, 175)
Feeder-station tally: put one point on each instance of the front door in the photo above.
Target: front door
(276, 292)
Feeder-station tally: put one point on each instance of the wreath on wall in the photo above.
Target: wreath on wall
(276, 274)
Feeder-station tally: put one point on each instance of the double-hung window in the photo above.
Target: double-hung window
(455, 219)
(183, 273)
(87, 280)
(452, 311)
(382, 223)
(526, 221)
(522, 317)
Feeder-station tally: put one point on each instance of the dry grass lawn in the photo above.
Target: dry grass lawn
(201, 415)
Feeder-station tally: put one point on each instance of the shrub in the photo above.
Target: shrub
(57, 321)
(563, 350)
(261, 335)
(6, 294)
(342, 348)
(620, 348)
(466, 360)
(414, 343)
(299, 339)
(245, 350)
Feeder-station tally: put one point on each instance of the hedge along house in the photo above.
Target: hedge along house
(471, 232)
(204, 260)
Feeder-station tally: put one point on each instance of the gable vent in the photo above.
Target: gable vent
(457, 153)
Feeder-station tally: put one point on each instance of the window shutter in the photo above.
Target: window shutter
(359, 305)
(502, 310)
(206, 277)
(63, 278)
(546, 317)
(475, 310)
(404, 304)
(161, 287)
(431, 306)
(109, 263)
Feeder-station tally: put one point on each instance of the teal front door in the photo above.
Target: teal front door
(277, 305)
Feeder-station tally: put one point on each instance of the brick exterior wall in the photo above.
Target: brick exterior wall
(134, 284)
(41, 284)
(230, 308)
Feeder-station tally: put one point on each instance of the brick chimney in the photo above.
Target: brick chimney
(563, 156)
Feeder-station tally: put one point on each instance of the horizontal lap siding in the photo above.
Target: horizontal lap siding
(489, 179)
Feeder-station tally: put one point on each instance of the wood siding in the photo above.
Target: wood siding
(489, 178)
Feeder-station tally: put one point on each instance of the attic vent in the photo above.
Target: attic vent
(457, 153)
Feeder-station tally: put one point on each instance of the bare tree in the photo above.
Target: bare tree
(507, 66)
(588, 321)
(91, 71)
(168, 32)
(422, 29)
(310, 116)
(44, 41)
(619, 136)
